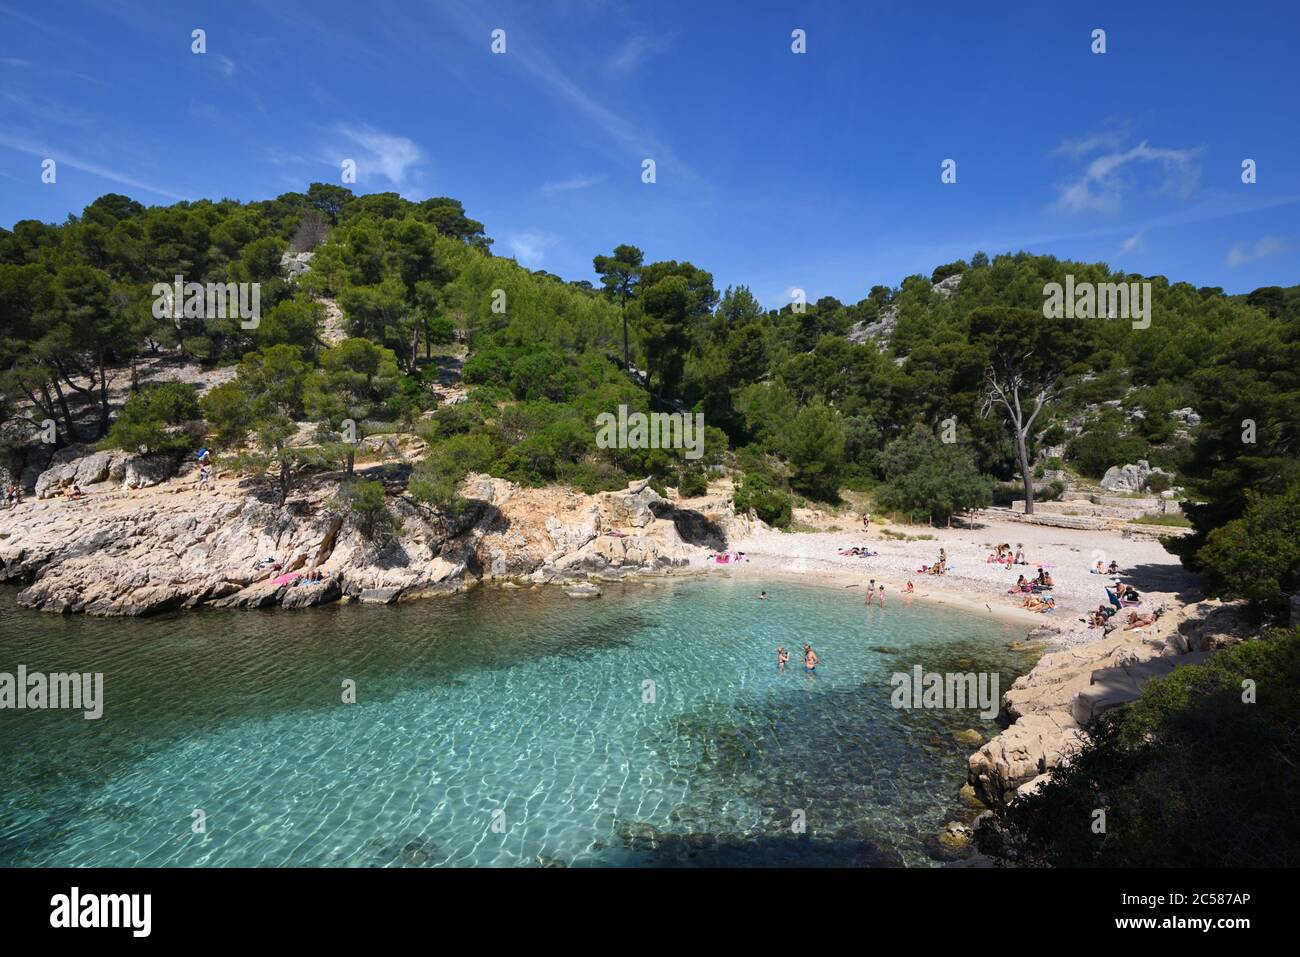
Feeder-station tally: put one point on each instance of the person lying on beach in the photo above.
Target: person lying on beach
(1141, 621)
(1039, 603)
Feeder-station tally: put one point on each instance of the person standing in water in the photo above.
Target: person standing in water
(871, 590)
(782, 657)
(882, 596)
(809, 659)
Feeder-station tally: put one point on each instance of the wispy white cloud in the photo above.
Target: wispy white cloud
(384, 154)
(1102, 185)
(1078, 148)
(1242, 253)
(568, 185)
(14, 62)
(94, 169)
(635, 51)
(227, 65)
(1134, 244)
(530, 248)
(631, 137)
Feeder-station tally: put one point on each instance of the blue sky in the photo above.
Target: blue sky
(818, 171)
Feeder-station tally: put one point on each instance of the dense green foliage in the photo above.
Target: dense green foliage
(927, 479)
(161, 418)
(790, 401)
(1192, 774)
(1257, 556)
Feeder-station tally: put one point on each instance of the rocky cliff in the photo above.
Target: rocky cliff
(1049, 706)
(137, 544)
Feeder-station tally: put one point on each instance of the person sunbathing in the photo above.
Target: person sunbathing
(1141, 621)
(1113, 569)
(1021, 585)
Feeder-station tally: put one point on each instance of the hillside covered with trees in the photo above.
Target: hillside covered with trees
(897, 394)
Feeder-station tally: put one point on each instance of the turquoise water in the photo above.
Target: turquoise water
(499, 727)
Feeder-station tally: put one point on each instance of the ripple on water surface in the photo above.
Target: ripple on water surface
(495, 728)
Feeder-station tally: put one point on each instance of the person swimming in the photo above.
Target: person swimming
(762, 596)
(809, 659)
(782, 657)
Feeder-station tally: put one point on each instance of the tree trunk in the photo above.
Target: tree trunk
(352, 458)
(284, 480)
(103, 396)
(627, 353)
(67, 415)
(1025, 472)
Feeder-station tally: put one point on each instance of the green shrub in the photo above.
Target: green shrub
(1159, 481)
(363, 503)
(691, 483)
(1096, 450)
(1257, 556)
(771, 505)
(159, 418)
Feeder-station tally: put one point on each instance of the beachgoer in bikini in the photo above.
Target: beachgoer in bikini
(882, 596)
(871, 590)
(782, 657)
(809, 659)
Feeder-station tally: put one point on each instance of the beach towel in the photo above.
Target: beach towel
(285, 579)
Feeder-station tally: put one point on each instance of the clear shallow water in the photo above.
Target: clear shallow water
(524, 702)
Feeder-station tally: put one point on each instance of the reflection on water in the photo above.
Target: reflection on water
(495, 728)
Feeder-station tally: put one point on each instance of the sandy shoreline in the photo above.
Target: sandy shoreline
(972, 584)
